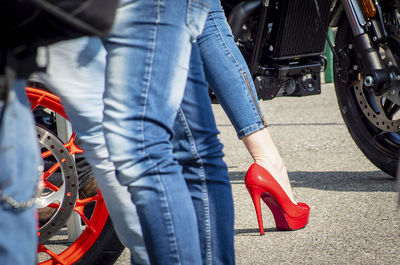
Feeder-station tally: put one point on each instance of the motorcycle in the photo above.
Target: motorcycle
(283, 43)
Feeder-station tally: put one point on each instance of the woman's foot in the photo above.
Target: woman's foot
(280, 175)
(262, 185)
(264, 152)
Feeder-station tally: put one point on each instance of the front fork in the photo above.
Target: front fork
(366, 22)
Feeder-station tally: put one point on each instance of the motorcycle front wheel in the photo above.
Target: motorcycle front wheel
(372, 121)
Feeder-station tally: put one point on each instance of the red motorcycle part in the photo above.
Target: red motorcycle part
(93, 224)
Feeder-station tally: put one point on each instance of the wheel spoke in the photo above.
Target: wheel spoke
(50, 171)
(88, 223)
(84, 202)
(51, 186)
(37, 102)
(388, 108)
(46, 154)
(72, 147)
(79, 208)
(54, 256)
(386, 105)
(393, 110)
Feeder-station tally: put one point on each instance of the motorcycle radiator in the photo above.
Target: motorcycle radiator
(298, 30)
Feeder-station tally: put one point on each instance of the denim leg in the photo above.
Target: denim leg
(228, 74)
(19, 164)
(148, 58)
(76, 74)
(199, 152)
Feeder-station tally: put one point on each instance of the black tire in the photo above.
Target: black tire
(106, 249)
(379, 146)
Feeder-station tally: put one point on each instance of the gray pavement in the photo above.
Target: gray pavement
(353, 204)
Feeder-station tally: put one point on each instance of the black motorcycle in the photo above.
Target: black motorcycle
(283, 43)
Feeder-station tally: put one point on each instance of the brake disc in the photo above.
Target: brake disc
(373, 108)
(62, 196)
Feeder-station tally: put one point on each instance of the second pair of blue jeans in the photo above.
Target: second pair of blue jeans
(174, 172)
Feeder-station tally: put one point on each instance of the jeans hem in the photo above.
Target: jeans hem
(250, 129)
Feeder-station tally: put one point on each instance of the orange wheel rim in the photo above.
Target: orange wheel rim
(93, 225)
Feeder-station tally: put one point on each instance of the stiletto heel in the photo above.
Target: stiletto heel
(255, 193)
(288, 215)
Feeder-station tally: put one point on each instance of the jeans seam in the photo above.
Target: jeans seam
(242, 71)
(204, 184)
(223, 41)
(169, 217)
(147, 85)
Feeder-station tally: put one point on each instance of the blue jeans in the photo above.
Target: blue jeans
(19, 168)
(199, 152)
(228, 74)
(76, 74)
(184, 207)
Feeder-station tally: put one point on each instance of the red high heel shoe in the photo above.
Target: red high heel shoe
(288, 216)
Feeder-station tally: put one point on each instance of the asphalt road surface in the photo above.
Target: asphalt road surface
(354, 217)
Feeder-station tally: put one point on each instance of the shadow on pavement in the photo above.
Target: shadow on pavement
(335, 180)
(256, 232)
